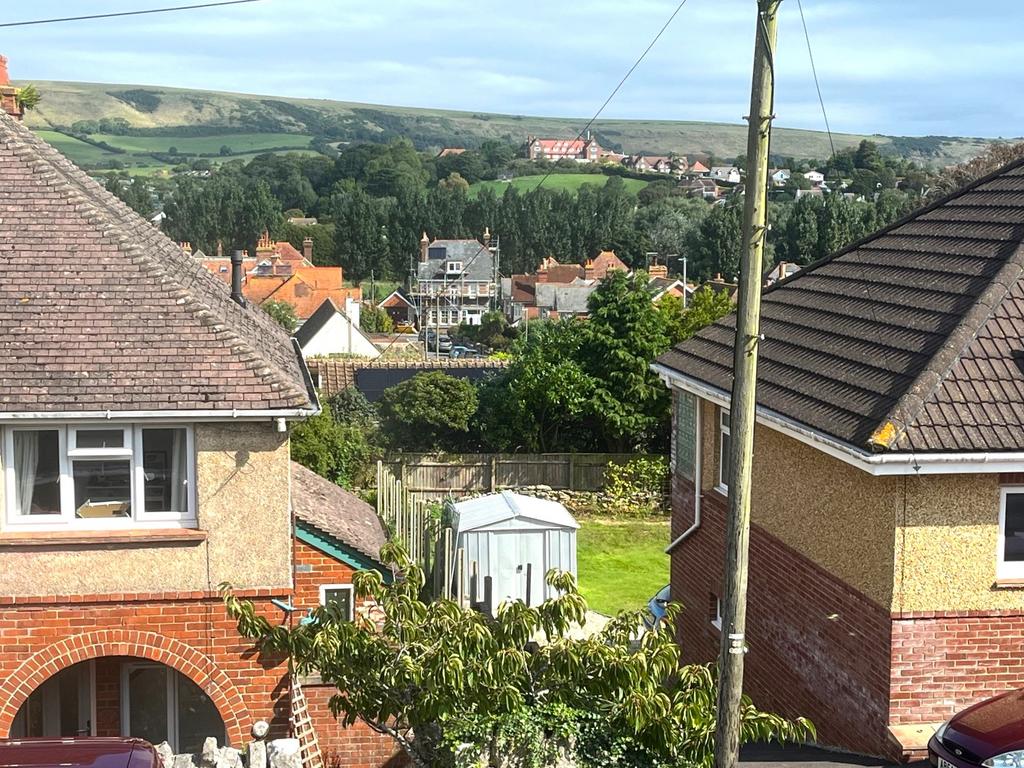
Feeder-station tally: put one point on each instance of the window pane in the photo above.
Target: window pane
(99, 438)
(147, 704)
(165, 463)
(725, 459)
(341, 598)
(102, 488)
(686, 434)
(37, 472)
(197, 718)
(726, 420)
(1014, 529)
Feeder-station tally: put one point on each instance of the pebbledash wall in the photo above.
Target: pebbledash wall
(356, 746)
(61, 604)
(873, 600)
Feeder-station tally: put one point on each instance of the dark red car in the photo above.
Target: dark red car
(77, 753)
(989, 734)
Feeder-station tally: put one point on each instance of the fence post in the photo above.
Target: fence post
(494, 473)
(571, 485)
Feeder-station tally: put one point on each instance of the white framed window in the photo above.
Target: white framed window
(453, 267)
(159, 703)
(1010, 557)
(723, 450)
(341, 595)
(98, 476)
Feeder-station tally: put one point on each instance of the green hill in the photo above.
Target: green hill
(211, 119)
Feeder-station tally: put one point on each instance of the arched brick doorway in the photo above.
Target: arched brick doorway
(47, 662)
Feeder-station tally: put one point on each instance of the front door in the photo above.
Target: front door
(520, 566)
(60, 707)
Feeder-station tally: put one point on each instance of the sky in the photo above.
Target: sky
(905, 67)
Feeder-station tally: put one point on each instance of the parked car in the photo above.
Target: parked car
(656, 607)
(460, 350)
(86, 752)
(988, 734)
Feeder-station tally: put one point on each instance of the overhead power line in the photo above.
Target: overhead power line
(814, 71)
(124, 13)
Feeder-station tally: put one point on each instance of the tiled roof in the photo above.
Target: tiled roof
(477, 261)
(337, 375)
(333, 510)
(100, 311)
(909, 340)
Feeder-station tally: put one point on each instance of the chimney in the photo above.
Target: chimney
(424, 244)
(8, 93)
(220, 249)
(236, 277)
(186, 247)
(307, 249)
(487, 237)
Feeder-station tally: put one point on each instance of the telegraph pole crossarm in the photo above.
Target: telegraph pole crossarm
(743, 404)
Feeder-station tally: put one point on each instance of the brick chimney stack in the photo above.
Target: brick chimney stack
(424, 245)
(307, 249)
(8, 93)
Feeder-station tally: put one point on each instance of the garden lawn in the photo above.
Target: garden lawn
(621, 562)
(570, 182)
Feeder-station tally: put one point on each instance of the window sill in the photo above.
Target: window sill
(165, 536)
(1009, 583)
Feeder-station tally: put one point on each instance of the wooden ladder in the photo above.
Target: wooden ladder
(302, 727)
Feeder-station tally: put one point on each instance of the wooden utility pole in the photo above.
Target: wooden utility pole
(742, 411)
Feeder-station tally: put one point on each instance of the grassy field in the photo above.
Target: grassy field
(197, 145)
(567, 181)
(77, 151)
(65, 102)
(622, 563)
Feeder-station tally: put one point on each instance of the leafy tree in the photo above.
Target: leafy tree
(543, 401)
(436, 676)
(374, 319)
(706, 306)
(453, 181)
(225, 150)
(133, 192)
(360, 235)
(430, 411)
(800, 235)
(623, 335)
(283, 313)
(867, 156)
(717, 243)
(337, 450)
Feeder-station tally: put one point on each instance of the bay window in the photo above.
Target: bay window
(98, 476)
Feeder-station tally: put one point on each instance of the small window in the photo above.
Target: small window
(35, 463)
(715, 611)
(723, 451)
(339, 595)
(686, 434)
(454, 267)
(1010, 563)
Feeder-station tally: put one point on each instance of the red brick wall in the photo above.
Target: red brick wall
(188, 631)
(942, 663)
(358, 746)
(817, 647)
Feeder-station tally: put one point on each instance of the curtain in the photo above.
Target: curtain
(179, 471)
(26, 462)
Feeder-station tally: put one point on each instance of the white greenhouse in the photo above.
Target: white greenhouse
(513, 540)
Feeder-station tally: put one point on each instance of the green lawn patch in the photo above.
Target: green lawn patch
(570, 182)
(77, 151)
(621, 562)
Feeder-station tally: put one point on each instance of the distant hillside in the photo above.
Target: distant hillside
(174, 112)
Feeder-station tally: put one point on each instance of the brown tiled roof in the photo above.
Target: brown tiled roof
(337, 375)
(333, 510)
(908, 340)
(100, 311)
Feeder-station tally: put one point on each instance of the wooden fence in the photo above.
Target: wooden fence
(433, 476)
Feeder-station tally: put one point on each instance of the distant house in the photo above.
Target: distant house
(598, 267)
(779, 176)
(781, 271)
(728, 174)
(649, 163)
(702, 187)
(333, 331)
(554, 290)
(399, 307)
(455, 281)
(302, 221)
(280, 273)
(814, 192)
(815, 177)
(659, 287)
(581, 150)
(697, 169)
